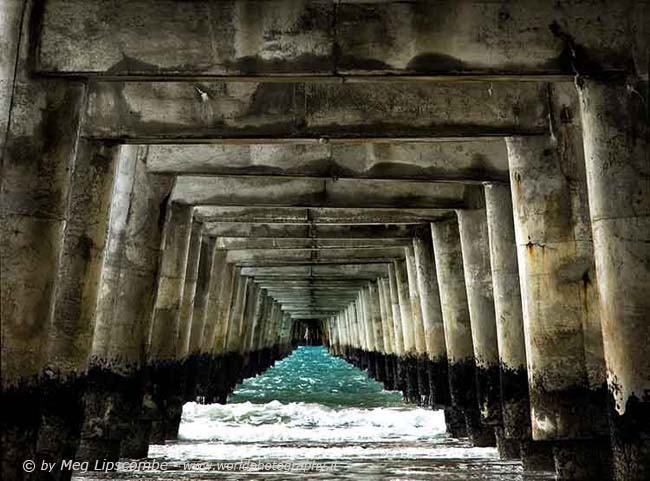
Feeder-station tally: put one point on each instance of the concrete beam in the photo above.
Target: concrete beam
(333, 256)
(449, 161)
(304, 243)
(304, 192)
(154, 112)
(302, 216)
(325, 39)
(350, 270)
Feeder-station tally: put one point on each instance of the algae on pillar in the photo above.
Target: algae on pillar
(40, 125)
(458, 329)
(617, 152)
(510, 329)
(114, 408)
(472, 223)
(566, 367)
(434, 331)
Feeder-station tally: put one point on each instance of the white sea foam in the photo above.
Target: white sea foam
(312, 431)
(307, 422)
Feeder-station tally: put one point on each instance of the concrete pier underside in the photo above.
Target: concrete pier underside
(452, 196)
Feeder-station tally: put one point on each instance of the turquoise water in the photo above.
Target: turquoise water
(312, 375)
(314, 416)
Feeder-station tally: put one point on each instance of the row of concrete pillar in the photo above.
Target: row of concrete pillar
(146, 315)
(525, 306)
(115, 308)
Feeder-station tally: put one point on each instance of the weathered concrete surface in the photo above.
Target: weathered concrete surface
(472, 226)
(186, 309)
(329, 256)
(296, 192)
(39, 123)
(458, 328)
(113, 396)
(171, 281)
(315, 216)
(555, 261)
(352, 269)
(451, 161)
(327, 38)
(508, 314)
(313, 243)
(70, 333)
(566, 366)
(416, 304)
(199, 313)
(434, 331)
(617, 152)
(321, 232)
(259, 111)
(218, 283)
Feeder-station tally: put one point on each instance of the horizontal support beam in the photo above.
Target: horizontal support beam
(253, 243)
(313, 216)
(314, 283)
(154, 112)
(436, 161)
(304, 192)
(350, 270)
(299, 232)
(330, 255)
(289, 39)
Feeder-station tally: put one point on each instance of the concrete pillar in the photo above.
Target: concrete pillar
(164, 366)
(236, 312)
(386, 315)
(458, 329)
(378, 348)
(224, 304)
(405, 307)
(40, 123)
(189, 292)
(389, 333)
(509, 323)
(420, 363)
(566, 368)
(617, 153)
(398, 334)
(171, 281)
(475, 246)
(375, 317)
(196, 364)
(206, 260)
(434, 330)
(114, 406)
(71, 330)
(409, 362)
(416, 305)
(218, 279)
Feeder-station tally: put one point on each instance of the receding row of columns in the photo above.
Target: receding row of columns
(525, 289)
(109, 291)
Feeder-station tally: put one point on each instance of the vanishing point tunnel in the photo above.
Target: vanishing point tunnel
(453, 195)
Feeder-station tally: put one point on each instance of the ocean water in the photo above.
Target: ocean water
(314, 416)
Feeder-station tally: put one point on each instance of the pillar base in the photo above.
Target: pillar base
(630, 433)
(18, 430)
(508, 448)
(136, 444)
(455, 422)
(537, 456)
(60, 428)
(112, 404)
(583, 460)
(480, 435)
